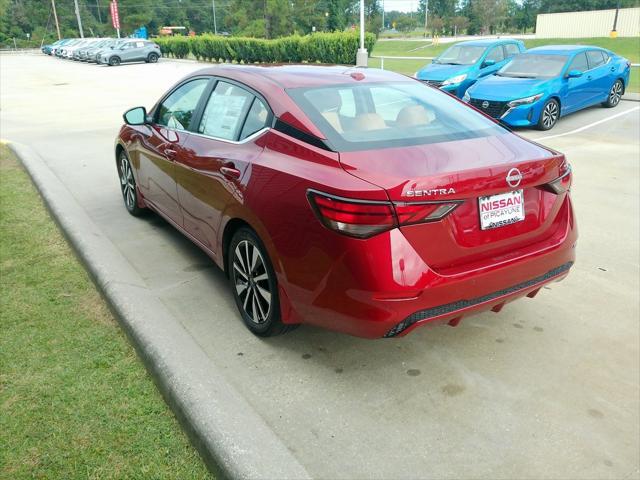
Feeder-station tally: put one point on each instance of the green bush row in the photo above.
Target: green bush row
(338, 47)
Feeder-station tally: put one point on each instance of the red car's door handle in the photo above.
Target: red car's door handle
(230, 172)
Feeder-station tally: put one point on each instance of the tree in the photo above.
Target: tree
(277, 17)
(337, 10)
(405, 23)
(490, 13)
(459, 24)
(527, 14)
(373, 14)
(444, 9)
(436, 24)
(308, 14)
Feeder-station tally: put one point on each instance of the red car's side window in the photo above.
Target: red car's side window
(225, 111)
(178, 108)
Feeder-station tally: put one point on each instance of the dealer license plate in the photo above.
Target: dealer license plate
(502, 209)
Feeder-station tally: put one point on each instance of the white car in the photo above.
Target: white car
(67, 52)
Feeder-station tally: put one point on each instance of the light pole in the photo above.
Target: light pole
(362, 56)
(215, 25)
(426, 16)
(75, 2)
(55, 17)
(614, 32)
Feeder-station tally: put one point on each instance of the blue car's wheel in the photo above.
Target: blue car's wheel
(615, 94)
(549, 115)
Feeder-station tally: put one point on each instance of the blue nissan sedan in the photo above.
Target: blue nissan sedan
(462, 64)
(536, 88)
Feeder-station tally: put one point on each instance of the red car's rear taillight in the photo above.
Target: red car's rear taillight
(562, 183)
(363, 219)
(410, 213)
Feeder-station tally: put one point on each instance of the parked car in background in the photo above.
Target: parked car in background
(68, 50)
(131, 50)
(80, 53)
(356, 200)
(92, 54)
(47, 49)
(462, 64)
(539, 86)
(60, 49)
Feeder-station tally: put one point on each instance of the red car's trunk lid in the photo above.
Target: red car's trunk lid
(466, 170)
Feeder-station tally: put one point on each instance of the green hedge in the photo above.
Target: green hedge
(338, 47)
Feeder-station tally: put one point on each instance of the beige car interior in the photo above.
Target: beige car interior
(329, 106)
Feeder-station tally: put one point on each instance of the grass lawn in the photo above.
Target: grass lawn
(75, 401)
(627, 47)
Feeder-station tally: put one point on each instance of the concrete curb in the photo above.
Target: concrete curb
(232, 438)
(631, 97)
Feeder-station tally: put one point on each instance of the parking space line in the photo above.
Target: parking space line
(577, 130)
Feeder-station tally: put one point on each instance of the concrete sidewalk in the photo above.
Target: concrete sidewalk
(547, 388)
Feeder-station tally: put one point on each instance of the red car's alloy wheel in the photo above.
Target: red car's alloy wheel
(128, 185)
(254, 284)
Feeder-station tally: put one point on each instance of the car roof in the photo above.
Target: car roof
(562, 49)
(489, 41)
(271, 81)
(295, 76)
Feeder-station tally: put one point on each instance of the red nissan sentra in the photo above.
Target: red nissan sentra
(357, 200)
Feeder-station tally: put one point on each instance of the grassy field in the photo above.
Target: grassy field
(75, 401)
(627, 47)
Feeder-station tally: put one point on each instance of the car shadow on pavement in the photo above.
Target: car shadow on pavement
(316, 345)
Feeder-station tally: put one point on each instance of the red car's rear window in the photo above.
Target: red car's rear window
(378, 115)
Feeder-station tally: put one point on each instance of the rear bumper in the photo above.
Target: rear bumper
(383, 288)
(452, 313)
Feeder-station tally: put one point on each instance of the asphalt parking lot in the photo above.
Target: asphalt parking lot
(547, 388)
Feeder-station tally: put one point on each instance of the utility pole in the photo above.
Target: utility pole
(362, 56)
(98, 9)
(614, 32)
(426, 16)
(215, 25)
(75, 2)
(55, 16)
(382, 14)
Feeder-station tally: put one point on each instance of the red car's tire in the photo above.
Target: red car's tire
(128, 186)
(254, 285)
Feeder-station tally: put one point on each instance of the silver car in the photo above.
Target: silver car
(134, 50)
(93, 54)
(81, 53)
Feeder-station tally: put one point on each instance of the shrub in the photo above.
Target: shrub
(337, 47)
(177, 47)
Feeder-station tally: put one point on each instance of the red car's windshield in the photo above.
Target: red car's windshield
(378, 115)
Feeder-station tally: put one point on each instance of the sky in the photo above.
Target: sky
(400, 5)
